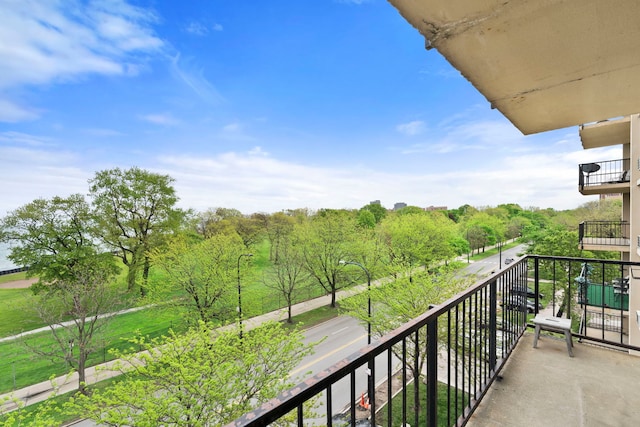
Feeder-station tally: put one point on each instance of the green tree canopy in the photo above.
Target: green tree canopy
(134, 210)
(199, 378)
(51, 237)
(206, 272)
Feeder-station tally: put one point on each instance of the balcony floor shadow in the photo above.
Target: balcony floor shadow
(545, 387)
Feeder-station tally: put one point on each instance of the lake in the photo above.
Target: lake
(5, 264)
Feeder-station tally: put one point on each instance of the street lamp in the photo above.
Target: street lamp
(342, 262)
(240, 294)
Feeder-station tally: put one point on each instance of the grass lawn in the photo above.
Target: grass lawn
(493, 251)
(53, 407)
(22, 365)
(5, 278)
(13, 309)
(381, 417)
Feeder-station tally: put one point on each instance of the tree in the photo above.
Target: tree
(201, 378)
(378, 211)
(417, 239)
(400, 301)
(288, 275)
(134, 210)
(279, 227)
(50, 237)
(366, 219)
(205, 272)
(325, 240)
(76, 309)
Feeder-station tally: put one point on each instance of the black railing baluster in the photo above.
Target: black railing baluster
(432, 371)
(329, 407)
(390, 387)
(493, 325)
(404, 381)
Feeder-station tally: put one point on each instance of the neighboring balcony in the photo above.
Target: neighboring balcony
(477, 364)
(604, 236)
(606, 177)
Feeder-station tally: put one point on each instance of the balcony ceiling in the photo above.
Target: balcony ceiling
(545, 64)
(607, 132)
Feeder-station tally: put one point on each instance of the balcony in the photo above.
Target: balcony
(476, 363)
(604, 236)
(606, 177)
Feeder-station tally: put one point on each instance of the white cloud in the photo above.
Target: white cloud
(232, 127)
(36, 172)
(415, 127)
(256, 181)
(52, 41)
(12, 113)
(164, 119)
(24, 139)
(187, 73)
(197, 29)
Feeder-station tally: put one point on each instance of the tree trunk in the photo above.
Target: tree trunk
(82, 383)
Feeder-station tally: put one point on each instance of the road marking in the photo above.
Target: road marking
(340, 330)
(313, 362)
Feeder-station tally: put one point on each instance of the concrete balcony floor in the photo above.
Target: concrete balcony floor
(545, 387)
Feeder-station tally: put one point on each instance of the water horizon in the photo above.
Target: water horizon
(5, 263)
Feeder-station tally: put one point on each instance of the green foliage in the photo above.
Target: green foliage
(417, 239)
(366, 219)
(324, 241)
(28, 367)
(378, 211)
(402, 300)
(52, 237)
(199, 378)
(206, 273)
(133, 210)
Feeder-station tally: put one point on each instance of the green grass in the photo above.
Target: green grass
(53, 406)
(313, 317)
(22, 365)
(493, 251)
(14, 305)
(381, 418)
(6, 278)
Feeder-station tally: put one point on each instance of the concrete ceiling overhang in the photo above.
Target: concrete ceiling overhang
(545, 64)
(606, 133)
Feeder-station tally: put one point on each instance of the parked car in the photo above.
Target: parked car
(525, 291)
(518, 304)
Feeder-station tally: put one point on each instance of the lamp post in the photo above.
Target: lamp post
(370, 391)
(368, 295)
(240, 293)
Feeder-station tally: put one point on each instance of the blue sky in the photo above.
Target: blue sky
(259, 106)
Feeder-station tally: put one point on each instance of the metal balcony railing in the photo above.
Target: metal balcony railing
(605, 233)
(605, 172)
(457, 349)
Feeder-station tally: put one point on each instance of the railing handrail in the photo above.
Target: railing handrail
(512, 275)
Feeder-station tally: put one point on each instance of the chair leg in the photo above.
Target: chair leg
(567, 335)
(535, 337)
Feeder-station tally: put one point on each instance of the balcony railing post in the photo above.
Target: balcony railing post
(493, 325)
(432, 371)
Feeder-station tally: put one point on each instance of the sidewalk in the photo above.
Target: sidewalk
(70, 322)
(39, 392)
